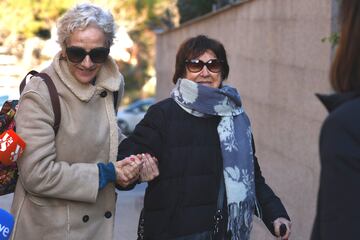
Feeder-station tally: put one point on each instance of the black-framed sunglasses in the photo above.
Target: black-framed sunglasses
(196, 65)
(77, 54)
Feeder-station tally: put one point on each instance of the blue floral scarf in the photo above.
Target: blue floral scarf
(235, 139)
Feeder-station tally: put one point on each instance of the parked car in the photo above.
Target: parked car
(8, 94)
(3, 99)
(129, 116)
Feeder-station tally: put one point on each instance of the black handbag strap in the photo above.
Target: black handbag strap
(218, 217)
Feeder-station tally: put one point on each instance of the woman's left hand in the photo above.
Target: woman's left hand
(128, 170)
(277, 224)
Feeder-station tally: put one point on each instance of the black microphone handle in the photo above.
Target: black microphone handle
(283, 230)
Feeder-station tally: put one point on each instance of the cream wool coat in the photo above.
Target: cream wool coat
(57, 194)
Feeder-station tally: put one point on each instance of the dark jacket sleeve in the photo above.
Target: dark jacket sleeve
(270, 205)
(338, 214)
(146, 138)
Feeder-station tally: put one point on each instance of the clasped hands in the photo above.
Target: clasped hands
(141, 167)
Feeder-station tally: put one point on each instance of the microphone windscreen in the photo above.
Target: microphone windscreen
(6, 224)
(11, 147)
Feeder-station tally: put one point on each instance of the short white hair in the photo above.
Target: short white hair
(80, 17)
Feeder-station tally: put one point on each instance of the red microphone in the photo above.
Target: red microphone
(11, 147)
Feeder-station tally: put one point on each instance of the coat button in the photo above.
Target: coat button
(108, 214)
(85, 218)
(103, 94)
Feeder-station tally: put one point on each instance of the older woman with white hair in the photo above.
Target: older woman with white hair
(66, 186)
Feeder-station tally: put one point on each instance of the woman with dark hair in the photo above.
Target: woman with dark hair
(202, 139)
(337, 214)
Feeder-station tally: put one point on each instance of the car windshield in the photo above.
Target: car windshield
(140, 105)
(129, 116)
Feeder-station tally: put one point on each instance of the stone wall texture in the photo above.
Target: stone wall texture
(277, 62)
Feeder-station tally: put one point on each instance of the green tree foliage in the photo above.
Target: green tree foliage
(333, 39)
(190, 9)
(27, 18)
(142, 18)
(23, 19)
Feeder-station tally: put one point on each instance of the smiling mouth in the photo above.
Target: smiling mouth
(204, 82)
(87, 69)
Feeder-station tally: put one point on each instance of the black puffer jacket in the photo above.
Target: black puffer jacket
(183, 199)
(338, 214)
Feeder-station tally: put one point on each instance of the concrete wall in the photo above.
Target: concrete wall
(277, 62)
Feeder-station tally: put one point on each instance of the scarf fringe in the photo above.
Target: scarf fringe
(240, 219)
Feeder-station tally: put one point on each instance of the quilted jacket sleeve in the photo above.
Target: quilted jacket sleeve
(146, 138)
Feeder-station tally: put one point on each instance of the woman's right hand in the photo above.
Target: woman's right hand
(150, 169)
(277, 223)
(128, 170)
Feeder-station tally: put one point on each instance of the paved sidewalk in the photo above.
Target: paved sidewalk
(128, 206)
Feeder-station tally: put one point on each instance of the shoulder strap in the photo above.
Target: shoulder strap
(23, 82)
(218, 217)
(54, 96)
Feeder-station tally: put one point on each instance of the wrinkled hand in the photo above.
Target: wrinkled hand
(277, 224)
(150, 168)
(128, 170)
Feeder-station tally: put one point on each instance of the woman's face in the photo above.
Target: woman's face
(87, 39)
(204, 75)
